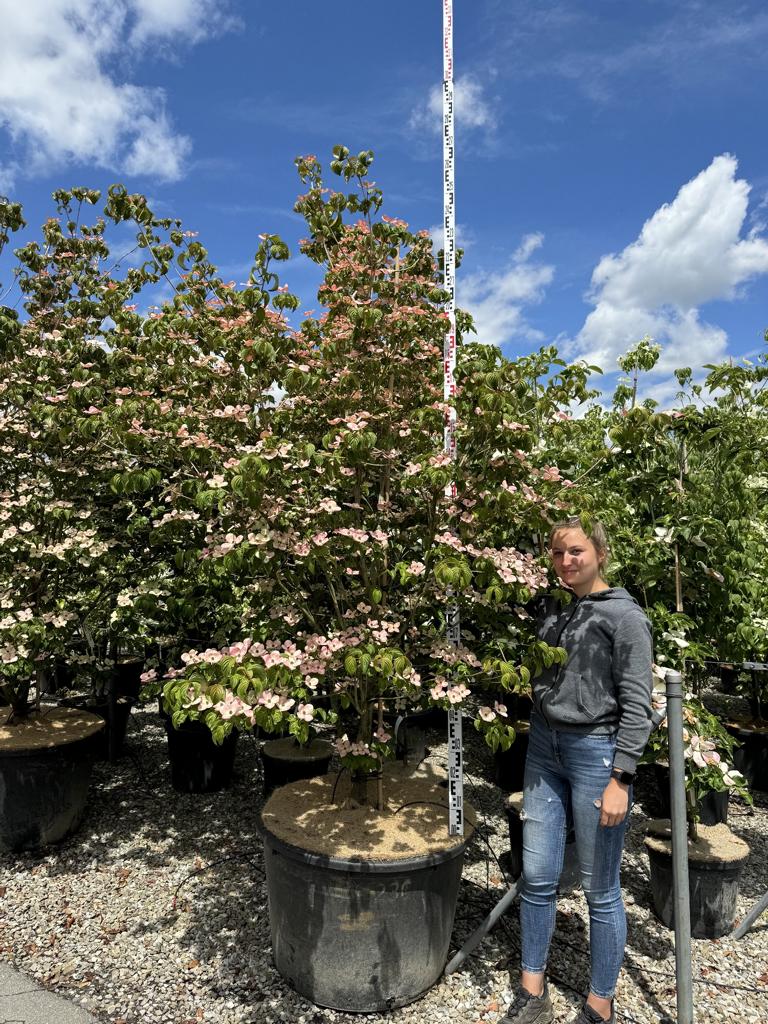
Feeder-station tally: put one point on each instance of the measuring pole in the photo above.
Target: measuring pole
(453, 624)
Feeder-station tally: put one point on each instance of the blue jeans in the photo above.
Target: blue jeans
(565, 775)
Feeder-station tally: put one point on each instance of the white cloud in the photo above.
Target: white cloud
(60, 99)
(465, 237)
(168, 19)
(690, 252)
(496, 301)
(470, 107)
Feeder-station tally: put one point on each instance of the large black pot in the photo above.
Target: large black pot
(751, 758)
(115, 711)
(510, 764)
(198, 765)
(410, 732)
(356, 935)
(44, 777)
(713, 806)
(713, 887)
(285, 761)
(125, 680)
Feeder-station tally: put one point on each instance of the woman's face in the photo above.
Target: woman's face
(576, 560)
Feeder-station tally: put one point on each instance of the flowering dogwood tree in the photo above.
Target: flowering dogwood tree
(116, 425)
(338, 510)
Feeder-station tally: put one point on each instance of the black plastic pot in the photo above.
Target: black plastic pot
(356, 935)
(510, 764)
(713, 806)
(570, 876)
(751, 758)
(125, 680)
(198, 765)
(434, 718)
(285, 761)
(108, 745)
(410, 736)
(44, 789)
(729, 678)
(713, 887)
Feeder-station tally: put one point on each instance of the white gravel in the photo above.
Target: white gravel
(126, 919)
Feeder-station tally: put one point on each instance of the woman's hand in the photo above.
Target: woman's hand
(614, 803)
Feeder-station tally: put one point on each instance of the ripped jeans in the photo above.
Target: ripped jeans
(565, 775)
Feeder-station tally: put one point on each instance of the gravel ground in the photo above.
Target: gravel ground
(128, 919)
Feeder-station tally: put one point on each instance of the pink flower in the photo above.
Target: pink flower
(456, 694)
(230, 706)
(487, 714)
(306, 712)
(501, 709)
(416, 568)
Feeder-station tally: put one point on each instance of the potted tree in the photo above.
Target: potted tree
(339, 512)
(45, 542)
(108, 411)
(716, 857)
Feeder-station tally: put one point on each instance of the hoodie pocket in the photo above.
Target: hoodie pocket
(562, 702)
(576, 699)
(595, 702)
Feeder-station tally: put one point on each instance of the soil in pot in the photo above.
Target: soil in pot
(361, 901)
(45, 768)
(751, 758)
(198, 765)
(285, 760)
(715, 864)
(510, 764)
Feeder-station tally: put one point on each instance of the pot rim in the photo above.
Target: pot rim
(53, 743)
(360, 866)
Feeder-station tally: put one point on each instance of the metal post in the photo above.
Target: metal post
(682, 907)
(482, 930)
(752, 916)
(453, 624)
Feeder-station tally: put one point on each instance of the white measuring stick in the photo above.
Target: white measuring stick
(453, 624)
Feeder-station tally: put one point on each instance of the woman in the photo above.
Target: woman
(589, 726)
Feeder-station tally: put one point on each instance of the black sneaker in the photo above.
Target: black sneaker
(528, 1009)
(587, 1015)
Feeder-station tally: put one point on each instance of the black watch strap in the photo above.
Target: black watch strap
(625, 778)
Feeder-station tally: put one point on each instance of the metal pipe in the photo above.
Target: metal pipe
(482, 930)
(752, 916)
(682, 906)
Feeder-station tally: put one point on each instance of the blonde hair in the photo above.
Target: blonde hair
(592, 528)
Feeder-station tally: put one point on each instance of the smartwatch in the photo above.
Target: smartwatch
(625, 778)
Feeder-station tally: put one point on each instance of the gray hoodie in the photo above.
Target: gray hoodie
(605, 685)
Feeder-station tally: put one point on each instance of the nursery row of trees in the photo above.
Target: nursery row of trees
(260, 510)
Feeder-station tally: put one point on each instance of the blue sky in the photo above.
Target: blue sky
(576, 123)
